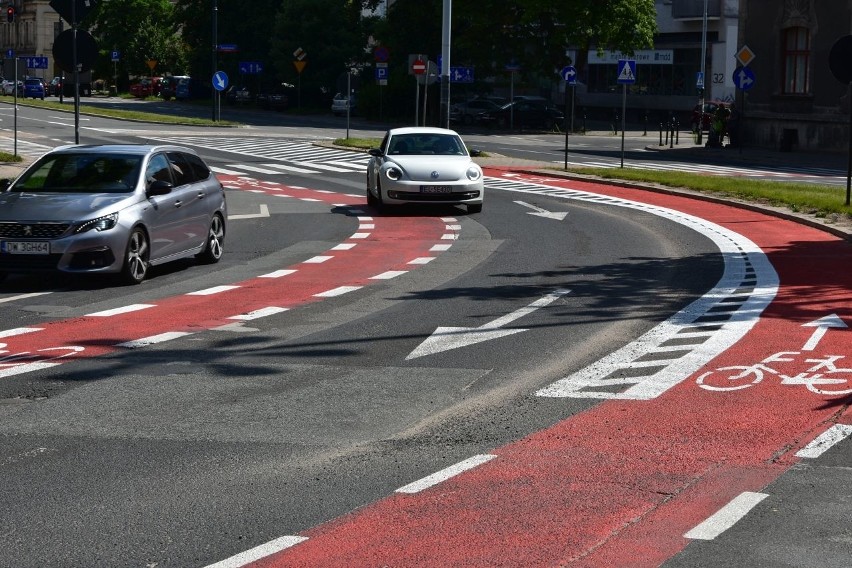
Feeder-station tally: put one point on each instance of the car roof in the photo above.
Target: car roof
(138, 149)
(421, 130)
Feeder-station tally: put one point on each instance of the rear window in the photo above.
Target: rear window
(32, 82)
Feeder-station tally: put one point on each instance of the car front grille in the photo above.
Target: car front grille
(46, 230)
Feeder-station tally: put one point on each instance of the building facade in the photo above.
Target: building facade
(667, 76)
(31, 33)
(795, 102)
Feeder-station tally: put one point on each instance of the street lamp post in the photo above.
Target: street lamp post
(215, 52)
(703, 73)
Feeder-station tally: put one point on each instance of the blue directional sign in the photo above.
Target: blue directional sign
(251, 67)
(461, 74)
(116, 55)
(35, 62)
(626, 71)
(569, 73)
(744, 78)
(699, 80)
(220, 80)
(10, 54)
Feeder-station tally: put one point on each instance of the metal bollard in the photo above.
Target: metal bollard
(646, 124)
(672, 130)
(677, 131)
(661, 134)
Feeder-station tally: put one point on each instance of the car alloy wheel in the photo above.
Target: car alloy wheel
(136, 257)
(214, 248)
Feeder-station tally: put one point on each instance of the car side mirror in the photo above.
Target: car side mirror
(375, 152)
(160, 187)
(475, 152)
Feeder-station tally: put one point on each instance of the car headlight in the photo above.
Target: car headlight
(104, 223)
(393, 173)
(473, 173)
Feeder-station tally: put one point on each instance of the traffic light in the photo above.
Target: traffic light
(10, 14)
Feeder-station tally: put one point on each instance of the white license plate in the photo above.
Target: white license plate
(25, 247)
(436, 189)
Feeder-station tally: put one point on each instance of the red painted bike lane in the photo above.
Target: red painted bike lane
(383, 247)
(623, 482)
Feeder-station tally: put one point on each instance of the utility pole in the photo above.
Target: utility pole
(703, 73)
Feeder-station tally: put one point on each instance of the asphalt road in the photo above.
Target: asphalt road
(236, 432)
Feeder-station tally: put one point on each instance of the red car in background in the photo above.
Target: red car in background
(147, 87)
(707, 117)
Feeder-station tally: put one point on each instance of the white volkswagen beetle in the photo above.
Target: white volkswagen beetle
(424, 165)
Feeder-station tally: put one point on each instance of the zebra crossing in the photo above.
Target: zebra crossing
(24, 148)
(286, 156)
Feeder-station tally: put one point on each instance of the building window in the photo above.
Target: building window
(797, 55)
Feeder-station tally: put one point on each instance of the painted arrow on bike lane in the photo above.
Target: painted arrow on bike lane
(624, 482)
(363, 259)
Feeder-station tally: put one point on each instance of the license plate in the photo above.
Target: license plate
(25, 247)
(436, 189)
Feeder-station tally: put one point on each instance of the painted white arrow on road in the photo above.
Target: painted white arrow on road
(446, 338)
(539, 212)
(264, 212)
(822, 325)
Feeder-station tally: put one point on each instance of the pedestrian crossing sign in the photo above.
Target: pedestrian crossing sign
(626, 71)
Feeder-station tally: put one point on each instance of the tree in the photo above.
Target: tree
(141, 30)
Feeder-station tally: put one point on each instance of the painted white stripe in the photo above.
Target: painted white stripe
(310, 199)
(453, 227)
(389, 274)
(345, 246)
(290, 168)
(160, 338)
(253, 168)
(449, 237)
(359, 235)
(825, 441)
(277, 274)
(122, 310)
(213, 290)
(318, 259)
(449, 219)
(445, 474)
(319, 166)
(26, 368)
(440, 248)
(727, 516)
(339, 291)
(364, 218)
(342, 164)
(19, 331)
(258, 552)
(366, 226)
(225, 172)
(261, 313)
(23, 296)
(422, 260)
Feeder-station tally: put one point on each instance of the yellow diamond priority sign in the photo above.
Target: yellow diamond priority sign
(745, 56)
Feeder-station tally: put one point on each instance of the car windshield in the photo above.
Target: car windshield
(81, 173)
(426, 144)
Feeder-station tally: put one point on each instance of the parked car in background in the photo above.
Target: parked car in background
(33, 89)
(524, 114)
(707, 116)
(147, 87)
(8, 87)
(423, 165)
(168, 88)
(470, 111)
(277, 98)
(111, 209)
(192, 88)
(341, 103)
(237, 95)
(54, 87)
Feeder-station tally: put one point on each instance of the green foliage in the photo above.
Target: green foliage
(141, 30)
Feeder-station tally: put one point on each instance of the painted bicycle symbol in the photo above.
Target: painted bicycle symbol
(26, 361)
(823, 376)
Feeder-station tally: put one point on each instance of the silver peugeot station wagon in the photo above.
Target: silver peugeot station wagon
(111, 209)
